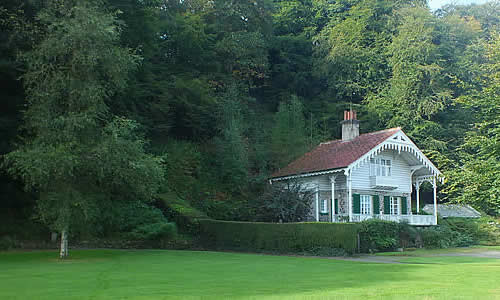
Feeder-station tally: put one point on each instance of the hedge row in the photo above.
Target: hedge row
(274, 237)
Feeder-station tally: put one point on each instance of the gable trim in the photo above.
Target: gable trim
(401, 142)
(307, 175)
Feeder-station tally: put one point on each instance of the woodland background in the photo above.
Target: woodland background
(108, 104)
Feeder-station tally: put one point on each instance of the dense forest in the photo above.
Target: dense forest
(108, 104)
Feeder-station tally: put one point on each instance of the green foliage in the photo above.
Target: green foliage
(231, 146)
(378, 235)
(275, 237)
(230, 91)
(183, 167)
(489, 228)
(7, 243)
(451, 233)
(477, 181)
(289, 137)
(154, 232)
(181, 212)
(280, 203)
(75, 154)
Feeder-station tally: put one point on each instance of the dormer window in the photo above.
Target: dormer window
(380, 167)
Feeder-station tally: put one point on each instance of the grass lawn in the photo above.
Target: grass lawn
(156, 274)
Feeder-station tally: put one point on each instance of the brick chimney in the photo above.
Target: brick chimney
(350, 126)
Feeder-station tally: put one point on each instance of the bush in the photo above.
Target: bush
(436, 237)
(280, 203)
(154, 231)
(279, 237)
(465, 227)
(7, 243)
(181, 212)
(378, 235)
(489, 229)
(451, 233)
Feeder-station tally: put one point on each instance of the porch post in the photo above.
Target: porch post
(317, 203)
(434, 185)
(350, 196)
(417, 185)
(332, 181)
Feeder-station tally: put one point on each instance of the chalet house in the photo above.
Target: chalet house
(365, 176)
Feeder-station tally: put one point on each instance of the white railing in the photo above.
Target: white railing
(410, 219)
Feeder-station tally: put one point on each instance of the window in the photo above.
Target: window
(380, 167)
(395, 205)
(366, 204)
(324, 206)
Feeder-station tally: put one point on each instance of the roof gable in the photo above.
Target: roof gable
(336, 154)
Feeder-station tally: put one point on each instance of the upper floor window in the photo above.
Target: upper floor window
(380, 167)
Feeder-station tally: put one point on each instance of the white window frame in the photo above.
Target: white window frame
(395, 205)
(324, 206)
(365, 203)
(381, 167)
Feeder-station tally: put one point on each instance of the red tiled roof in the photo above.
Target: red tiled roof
(335, 154)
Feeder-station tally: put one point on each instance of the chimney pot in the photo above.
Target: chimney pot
(350, 126)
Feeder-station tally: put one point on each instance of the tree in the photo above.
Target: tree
(417, 90)
(75, 154)
(477, 180)
(289, 137)
(288, 202)
(232, 148)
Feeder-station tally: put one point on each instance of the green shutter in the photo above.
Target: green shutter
(336, 206)
(356, 204)
(387, 205)
(376, 204)
(404, 208)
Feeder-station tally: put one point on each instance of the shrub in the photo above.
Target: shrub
(436, 237)
(378, 235)
(325, 252)
(489, 229)
(181, 212)
(154, 231)
(465, 227)
(450, 233)
(7, 243)
(408, 236)
(279, 237)
(287, 202)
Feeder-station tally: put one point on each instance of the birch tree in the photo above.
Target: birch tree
(76, 155)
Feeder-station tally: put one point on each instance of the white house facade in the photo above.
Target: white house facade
(365, 176)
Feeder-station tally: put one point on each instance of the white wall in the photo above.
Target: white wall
(400, 173)
(326, 185)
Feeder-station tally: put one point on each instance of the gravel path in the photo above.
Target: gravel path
(397, 259)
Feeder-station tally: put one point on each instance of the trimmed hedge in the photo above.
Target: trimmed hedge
(378, 235)
(278, 237)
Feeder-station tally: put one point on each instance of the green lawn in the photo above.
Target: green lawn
(121, 274)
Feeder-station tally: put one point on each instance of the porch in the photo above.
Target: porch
(418, 220)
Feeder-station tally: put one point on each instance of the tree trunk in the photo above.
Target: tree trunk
(63, 253)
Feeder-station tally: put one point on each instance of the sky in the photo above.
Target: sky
(435, 4)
